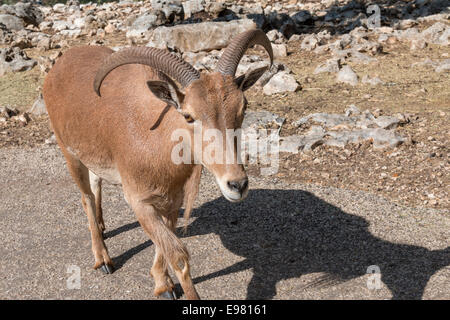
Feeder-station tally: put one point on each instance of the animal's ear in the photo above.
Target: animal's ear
(167, 92)
(248, 79)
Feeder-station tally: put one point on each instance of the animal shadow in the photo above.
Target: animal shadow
(288, 233)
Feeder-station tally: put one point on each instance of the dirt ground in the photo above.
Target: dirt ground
(285, 241)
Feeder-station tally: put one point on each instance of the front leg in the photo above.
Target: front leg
(168, 246)
(163, 283)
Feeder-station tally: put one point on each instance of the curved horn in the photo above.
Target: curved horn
(158, 59)
(229, 60)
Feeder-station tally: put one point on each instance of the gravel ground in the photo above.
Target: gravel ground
(286, 241)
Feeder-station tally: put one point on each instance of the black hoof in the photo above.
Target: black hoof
(107, 269)
(168, 295)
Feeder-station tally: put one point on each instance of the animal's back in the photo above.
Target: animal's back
(71, 73)
(92, 127)
(70, 103)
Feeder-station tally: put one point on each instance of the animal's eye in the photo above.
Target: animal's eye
(188, 118)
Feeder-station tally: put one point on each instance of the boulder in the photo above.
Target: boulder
(72, 33)
(310, 42)
(439, 66)
(110, 28)
(347, 75)
(214, 7)
(197, 37)
(418, 44)
(372, 81)
(313, 139)
(27, 12)
(354, 126)
(352, 110)
(275, 36)
(60, 25)
(21, 41)
(281, 82)
(148, 20)
(45, 25)
(353, 55)
(277, 20)
(438, 33)
(291, 144)
(261, 119)
(173, 9)
(276, 67)
(44, 44)
(331, 65)
(14, 60)
(11, 22)
(260, 20)
(191, 7)
(59, 7)
(302, 18)
(380, 138)
(250, 62)
(279, 50)
(443, 66)
(6, 35)
(38, 107)
(386, 122)
(79, 23)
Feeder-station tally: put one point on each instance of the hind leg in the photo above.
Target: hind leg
(163, 283)
(80, 174)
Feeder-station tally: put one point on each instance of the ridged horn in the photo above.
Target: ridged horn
(232, 55)
(160, 60)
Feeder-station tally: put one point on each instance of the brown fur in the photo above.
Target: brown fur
(112, 132)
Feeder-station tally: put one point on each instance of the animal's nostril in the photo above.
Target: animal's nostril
(233, 185)
(238, 185)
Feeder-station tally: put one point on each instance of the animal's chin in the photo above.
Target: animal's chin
(235, 197)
